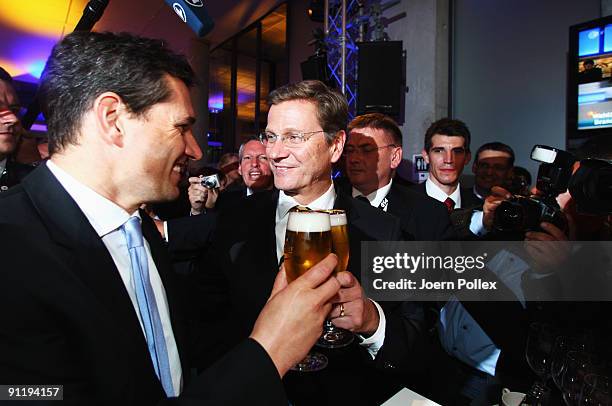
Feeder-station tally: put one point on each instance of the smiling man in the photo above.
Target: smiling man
(304, 136)
(89, 270)
(11, 172)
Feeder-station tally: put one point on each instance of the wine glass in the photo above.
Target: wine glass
(596, 391)
(563, 344)
(307, 242)
(578, 364)
(335, 337)
(538, 351)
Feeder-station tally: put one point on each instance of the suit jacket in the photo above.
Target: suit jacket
(13, 174)
(68, 319)
(460, 218)
(238, 285)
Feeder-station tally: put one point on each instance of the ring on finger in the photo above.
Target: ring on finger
(341, 310)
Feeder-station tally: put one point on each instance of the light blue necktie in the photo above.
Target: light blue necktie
(146, 303)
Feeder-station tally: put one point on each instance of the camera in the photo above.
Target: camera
(591, 187)
(525, 213)
(210, 182)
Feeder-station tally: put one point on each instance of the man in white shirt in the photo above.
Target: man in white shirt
(305, 135)
(82, 265)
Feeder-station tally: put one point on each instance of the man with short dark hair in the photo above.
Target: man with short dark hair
(492, 167)
(373, 152)
(447, 151)
(95, 280)
(11, 172)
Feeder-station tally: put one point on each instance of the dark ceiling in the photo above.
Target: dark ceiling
(29, 28)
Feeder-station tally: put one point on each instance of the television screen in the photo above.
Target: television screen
(589, 96)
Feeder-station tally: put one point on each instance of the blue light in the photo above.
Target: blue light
(36, 68)
(591, 98)
(588, 42)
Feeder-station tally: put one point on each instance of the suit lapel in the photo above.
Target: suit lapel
(86, 255)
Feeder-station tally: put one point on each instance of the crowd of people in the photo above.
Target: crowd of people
(122, 305)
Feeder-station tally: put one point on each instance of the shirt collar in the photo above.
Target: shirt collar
(249, 191)
(377, 196)
(104, 215)
(3, 165)
(323, 202)
(434, 191)
(478, 195)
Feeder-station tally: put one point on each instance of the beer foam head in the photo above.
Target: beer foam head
(338, 219)
(308, 221)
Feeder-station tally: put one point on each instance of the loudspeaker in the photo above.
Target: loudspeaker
(315, 68)
(379, 77)
(194, 14)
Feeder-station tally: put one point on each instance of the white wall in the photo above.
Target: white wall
(509, 70)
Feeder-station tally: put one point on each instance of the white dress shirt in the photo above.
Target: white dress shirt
(324, 202)
(376, 197)
(3, 165)
(106, 218)
(437, 193)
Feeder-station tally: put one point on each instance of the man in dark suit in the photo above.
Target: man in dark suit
(11, 172)
(373, 152)
(304, 137)
(88, 297)
(447, 151)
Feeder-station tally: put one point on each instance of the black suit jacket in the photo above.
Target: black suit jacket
(236, 288)
(13, 174)
(67, 318)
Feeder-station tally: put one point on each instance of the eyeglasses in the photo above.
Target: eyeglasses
(483, 166)
(289, 139)
(364, 149)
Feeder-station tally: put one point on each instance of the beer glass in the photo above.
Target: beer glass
(307, 242)
(334, 337)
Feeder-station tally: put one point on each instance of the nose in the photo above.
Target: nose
(276, 151)
(8, 119)
(192, 149)
(448, 157)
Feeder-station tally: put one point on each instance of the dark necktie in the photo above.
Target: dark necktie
(450, 204)
(147, 305)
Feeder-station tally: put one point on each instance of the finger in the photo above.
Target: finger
(319, 273)
(280, 282)
(194, 180)
(346, 279)
(499, 191)
(554, 231)
(327, 290)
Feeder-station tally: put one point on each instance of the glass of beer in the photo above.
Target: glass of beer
(307, 242)
(334, 337)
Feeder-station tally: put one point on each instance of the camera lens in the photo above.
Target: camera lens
(509, 216)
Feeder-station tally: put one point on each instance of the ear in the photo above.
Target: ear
(396, 157)
(337, 146)
(240, 167)
(108, 109)
(425, 156)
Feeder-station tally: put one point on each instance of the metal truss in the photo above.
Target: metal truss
(342, 31)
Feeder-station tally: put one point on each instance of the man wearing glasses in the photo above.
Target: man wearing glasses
(305, 135)
(11, 172)
(373, 152)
